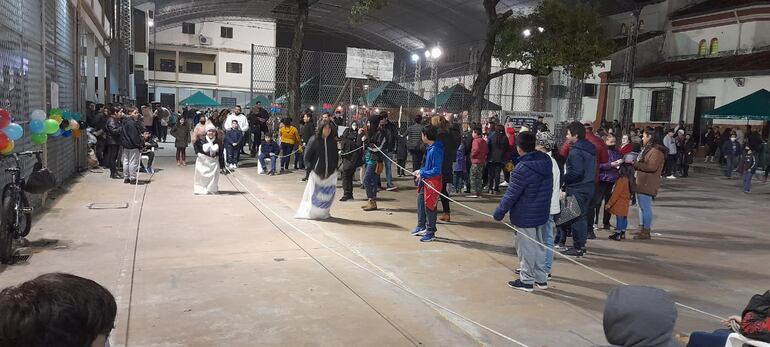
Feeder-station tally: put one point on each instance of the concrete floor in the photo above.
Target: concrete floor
(237, 270)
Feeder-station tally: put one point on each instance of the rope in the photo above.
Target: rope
(353, 151)
(568, 258)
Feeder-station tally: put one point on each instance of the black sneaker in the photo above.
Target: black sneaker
(126, 181)
(616, 237)
(518, 284)
(345, 198)
(543, 285)
(132, 181)
(303, 179)
(591, 235)
(574, 252)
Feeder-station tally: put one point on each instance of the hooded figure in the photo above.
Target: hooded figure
(640, 316)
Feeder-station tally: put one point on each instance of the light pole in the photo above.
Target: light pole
(417, 82)
(432, 56)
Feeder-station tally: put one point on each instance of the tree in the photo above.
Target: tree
(361, 8)
(552, 36)
(295, 60)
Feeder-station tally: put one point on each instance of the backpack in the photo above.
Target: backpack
(755, 322)
(40, 180)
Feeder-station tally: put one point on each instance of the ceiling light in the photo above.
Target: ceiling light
(526, 32)
(540, 29)
(415, 57)
(436, 52)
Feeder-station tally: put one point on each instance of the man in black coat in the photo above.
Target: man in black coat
(414, 142)
(450, 138)
(257, 118)
(132, 142)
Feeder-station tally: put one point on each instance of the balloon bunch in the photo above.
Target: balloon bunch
(10, 132)
(59, 123)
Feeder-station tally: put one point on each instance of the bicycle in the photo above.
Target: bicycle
(16, 213)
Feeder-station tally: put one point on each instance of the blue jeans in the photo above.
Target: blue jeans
(370, 181)
(730, 162)
(579, 225)
(621, 224)
(426, 218)
(704, 339)
(232, 153)
(458, 181)
(645, 203)
(273, 159)
(531, 255)
(747, 181)
(286, 149)
(388, 169)
(548, 240)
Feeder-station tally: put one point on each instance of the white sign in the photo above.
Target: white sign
(54, 95)
(369, 64)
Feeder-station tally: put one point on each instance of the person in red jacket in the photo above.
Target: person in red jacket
(479, 152)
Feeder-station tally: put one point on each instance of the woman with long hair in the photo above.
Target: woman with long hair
(321, 155)
(648, 169)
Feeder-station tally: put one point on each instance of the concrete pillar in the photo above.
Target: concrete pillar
(90, 68)
(104, 89)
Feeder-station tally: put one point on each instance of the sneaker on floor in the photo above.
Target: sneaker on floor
(574, 252)
(671, 177)
(474, 196)
(503, 184)
(428, 238)
(518, 284)
(126, 180)
(345, 198)
(303, 179)
(543, 285)
(391, 189)
(418, 232)
(560, 248)
(517, 271)
(549, 277)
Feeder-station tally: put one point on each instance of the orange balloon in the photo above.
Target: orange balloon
(76, 132)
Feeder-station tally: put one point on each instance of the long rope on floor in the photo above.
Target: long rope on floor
(568, 258)
(386, 279)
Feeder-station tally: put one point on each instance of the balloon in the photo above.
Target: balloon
(36, 126)
(4, 140)
(14, 131)
(57, 118)
(55, 111)
(39, 138)
(67, 115)
(76, 132)
(37, 115)
(77, 116)
(51, 126)
(67, 133)
(74, 124)
(8, 148)
(57, 133)
(5, 118)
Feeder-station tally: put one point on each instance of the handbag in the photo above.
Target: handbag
(379, 167)
(570, 209)
(40, 180)
(755, 322)
(508, 166)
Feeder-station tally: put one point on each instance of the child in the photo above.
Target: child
(149, 150)
(621, 200)
(479, 151)
(459, 169)
(747, 167)
(401, 153)
(429, 174)
(233, 138)
(289, 139)
(182, 139)
(268, 149)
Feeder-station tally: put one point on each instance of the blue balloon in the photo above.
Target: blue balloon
(14, 131)
(67, 133)
(36, 126)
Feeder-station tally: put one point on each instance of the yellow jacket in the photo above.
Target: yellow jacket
(289, 135)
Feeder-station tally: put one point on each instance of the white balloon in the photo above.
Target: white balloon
(38, 115)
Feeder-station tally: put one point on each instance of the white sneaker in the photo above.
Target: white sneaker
(671, 177)
(235, 166)
(503, 184)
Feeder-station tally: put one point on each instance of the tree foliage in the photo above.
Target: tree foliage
(361, 8)
(572, 38)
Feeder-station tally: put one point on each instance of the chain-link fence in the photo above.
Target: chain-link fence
(33, 56)
(415, 88)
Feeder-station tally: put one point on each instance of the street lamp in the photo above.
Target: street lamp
(415, 58)
(433, 55)
(150, 23)
(526, 33)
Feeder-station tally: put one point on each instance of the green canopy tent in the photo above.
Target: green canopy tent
(458, 98)
(755, 106)
(200, 100)
(393, 95)
(262, 99)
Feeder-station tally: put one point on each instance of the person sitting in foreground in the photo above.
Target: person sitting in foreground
(56, 309)
(269, 149)
(639, 316)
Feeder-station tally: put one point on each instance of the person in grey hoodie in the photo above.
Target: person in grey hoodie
(639, 316)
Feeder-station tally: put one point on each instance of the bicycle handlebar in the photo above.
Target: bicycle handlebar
(21, 154)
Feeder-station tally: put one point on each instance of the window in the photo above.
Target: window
(188, 28)
(623, 29)
(641, 25)
(589, 90)
(702, 48)
(714, 46)
(227, 32)
(167, 65)
(234, 67)
(661, 105)
(191, 67)
(229, 102)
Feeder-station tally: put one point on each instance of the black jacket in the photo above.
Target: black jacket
(351, 159)
(306, 131)
(414, 137)
(450, 138)
(391, 136)
(131, 134)
(258, 120)
(114, 130)
(498, 147)
(322, 155)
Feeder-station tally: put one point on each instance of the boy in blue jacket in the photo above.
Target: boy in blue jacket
(429, 174)
(528, 201)
(233, 138)
(268, 149)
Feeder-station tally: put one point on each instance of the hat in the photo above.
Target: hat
(546, 139)
(210, 127)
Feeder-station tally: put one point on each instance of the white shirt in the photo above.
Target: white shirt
(555, 208)
(243, 123)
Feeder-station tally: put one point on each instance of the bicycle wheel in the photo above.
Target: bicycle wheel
(6, 229)
(25, 219)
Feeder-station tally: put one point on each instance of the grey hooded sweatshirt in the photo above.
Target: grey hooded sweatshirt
(638, 316)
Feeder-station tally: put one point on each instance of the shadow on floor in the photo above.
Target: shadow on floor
(343, 221)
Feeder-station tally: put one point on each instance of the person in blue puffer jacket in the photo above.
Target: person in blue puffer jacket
(528, 201)
(579, 178)
(429, 183)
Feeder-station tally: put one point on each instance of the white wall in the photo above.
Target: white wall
(245, 33)
(685, 43)
(234, 80)
(726, 91)
(654, 17)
